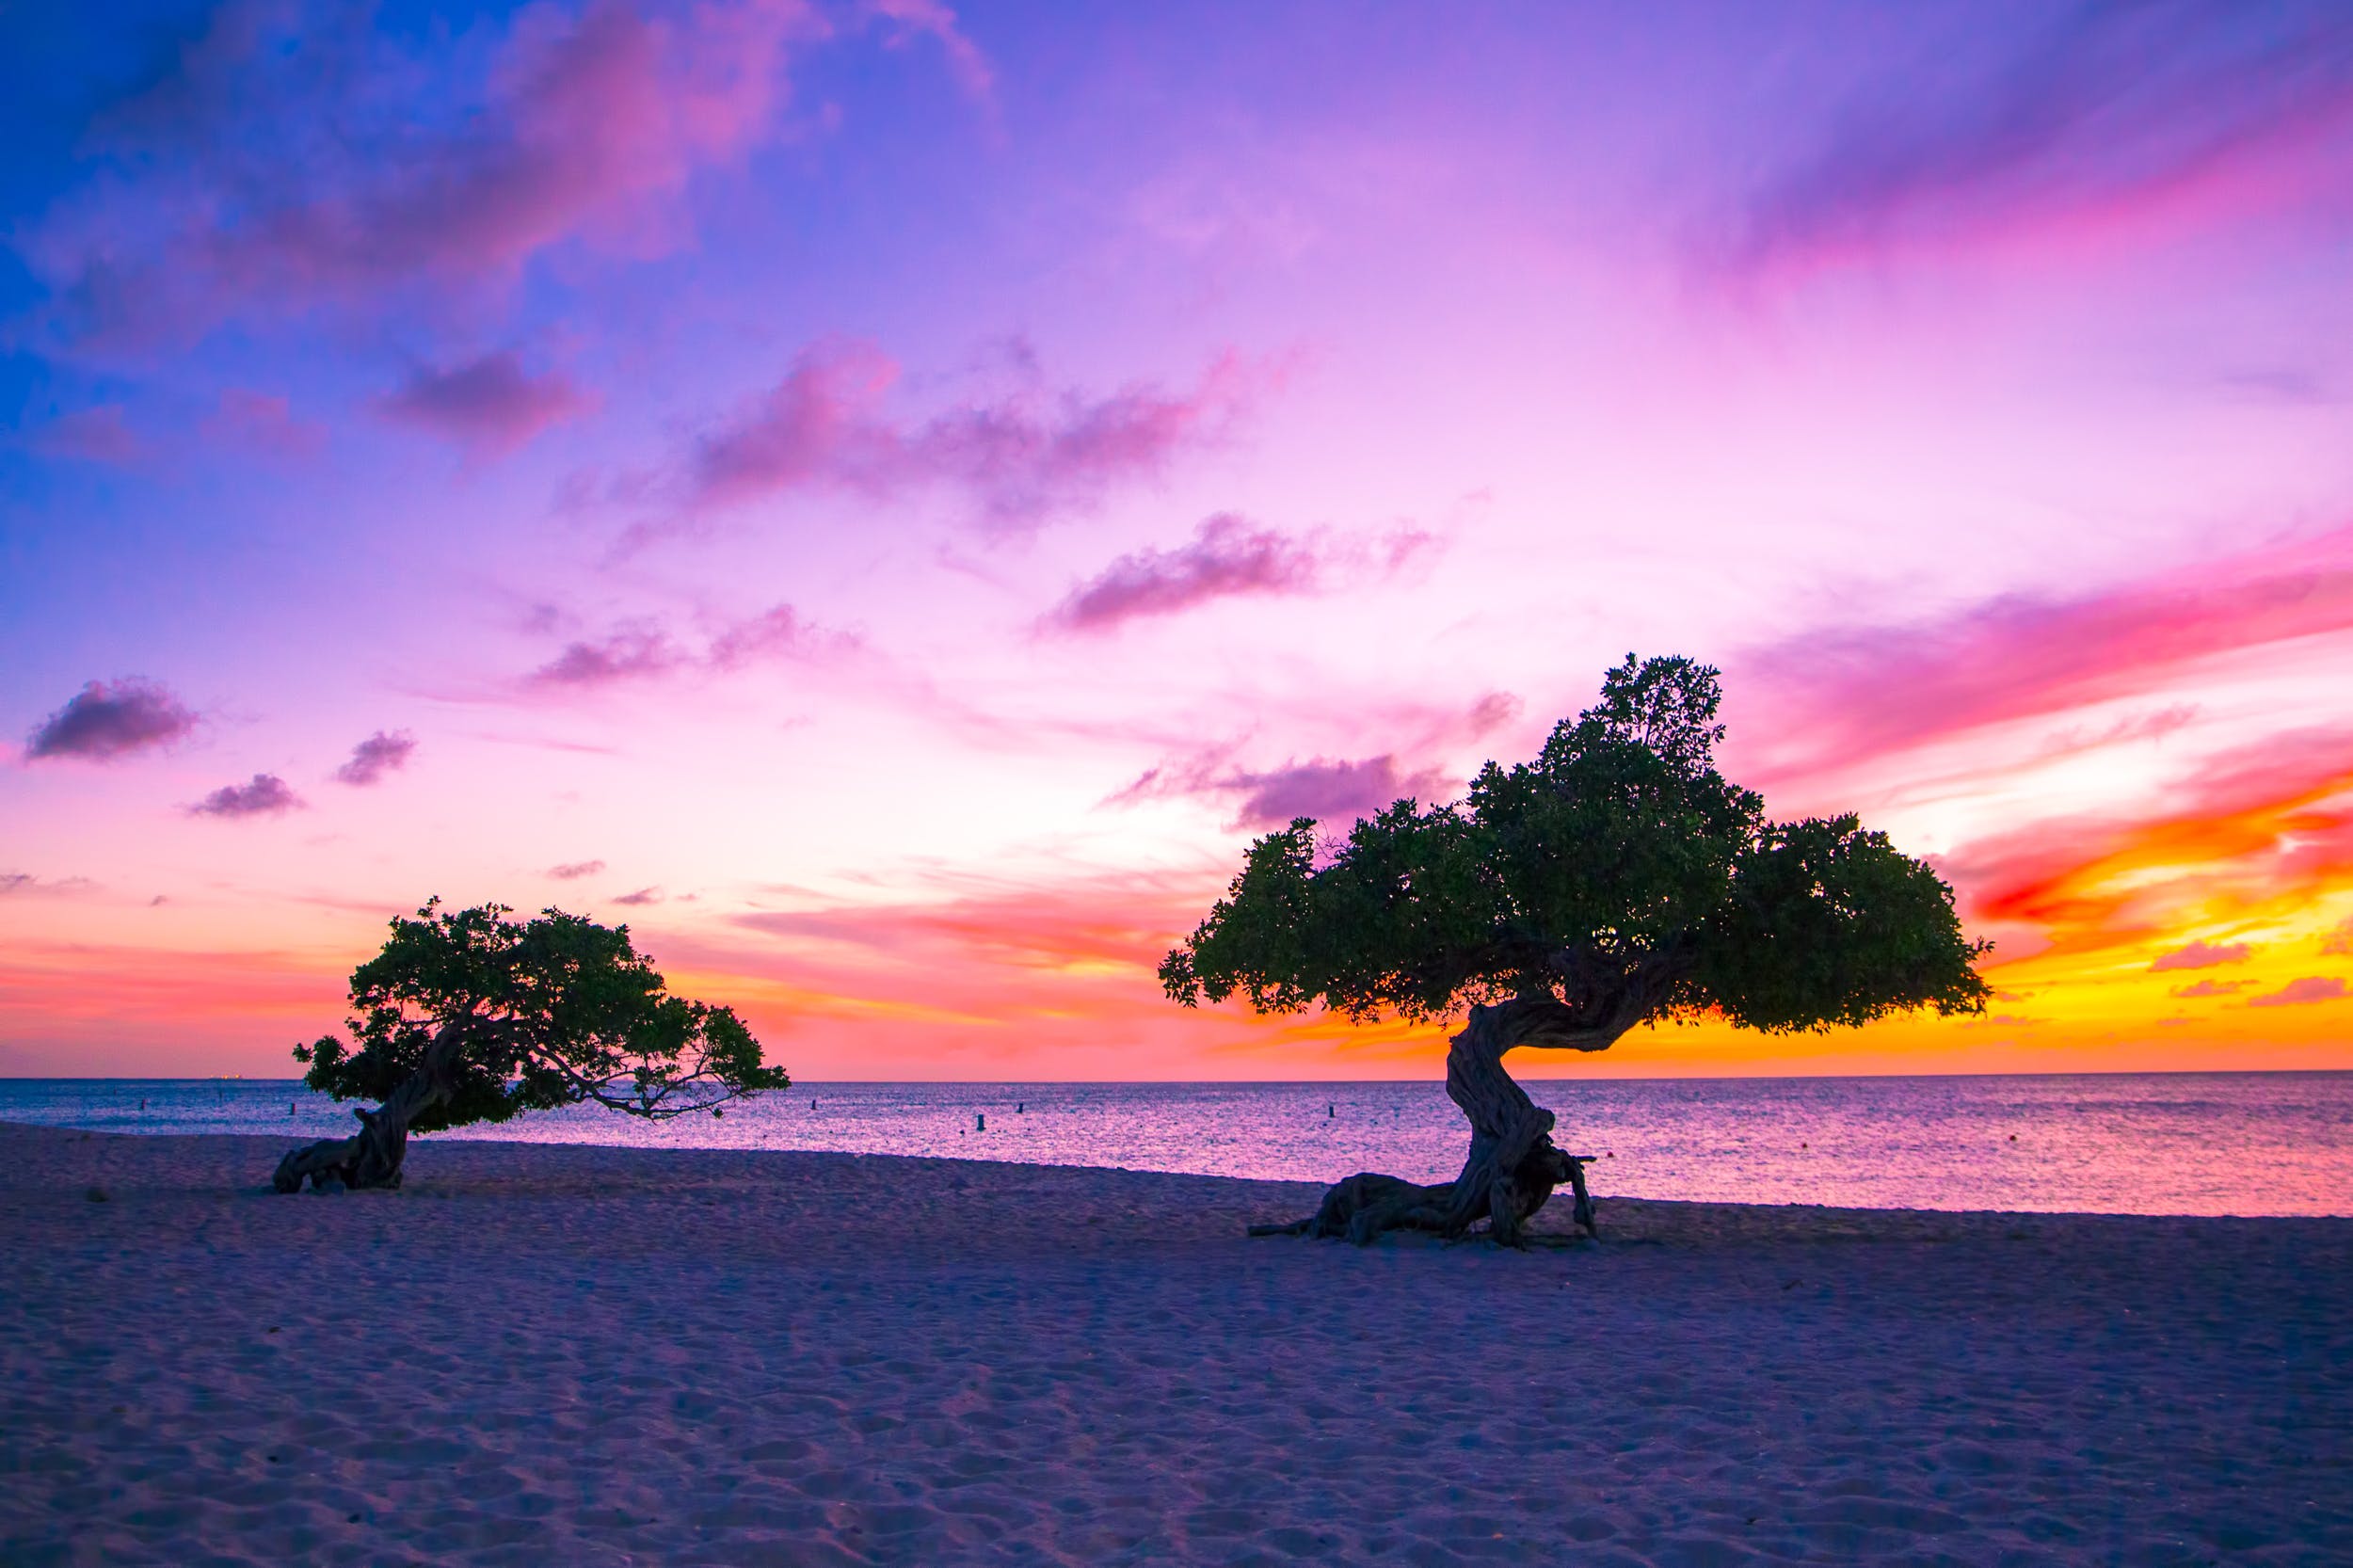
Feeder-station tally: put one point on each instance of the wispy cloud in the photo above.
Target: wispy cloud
(2211, 988)
(385, 751)
(26, 884)
(573, 870)
(2268, 826)
(490, 405)
(644, 649)
(263, 795)
(642, 896)
(110, 719)
(908, 20)
(1023, 457)
(1326, 789)
(1226, 557)
(289, 158)
(1851, 690)
(98, 434)
(2100, 117)
(262, 422)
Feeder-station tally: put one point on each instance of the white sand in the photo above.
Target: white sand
(547, 1355)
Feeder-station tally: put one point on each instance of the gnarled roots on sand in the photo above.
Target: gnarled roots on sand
(1513, 1166)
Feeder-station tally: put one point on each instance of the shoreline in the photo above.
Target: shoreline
(601, 1354)
(269, 1148)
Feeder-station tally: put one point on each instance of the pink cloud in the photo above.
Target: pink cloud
(2339, 942)
(2202, 956)
(2211, 988)
(265, 173)
(490, 405)
(2296, 993)
(2108, 122)
(909, 20)
(1876, 689)
(1023, 457)
(263, 422)
(92, 435)
(574, 871)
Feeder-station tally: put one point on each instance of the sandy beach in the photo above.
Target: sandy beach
(596, 1356)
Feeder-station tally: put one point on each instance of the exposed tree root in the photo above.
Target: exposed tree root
(372, 1157)
(1513, 1166)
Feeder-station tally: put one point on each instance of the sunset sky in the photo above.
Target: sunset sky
(888, 500)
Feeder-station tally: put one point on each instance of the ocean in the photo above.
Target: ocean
(2127, 1144)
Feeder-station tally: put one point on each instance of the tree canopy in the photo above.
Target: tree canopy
(552, 1011)
(1618, 875)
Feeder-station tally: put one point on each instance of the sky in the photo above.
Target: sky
(887, 500)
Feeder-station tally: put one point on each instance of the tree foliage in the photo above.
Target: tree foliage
(1618, 873)
(552, 1011)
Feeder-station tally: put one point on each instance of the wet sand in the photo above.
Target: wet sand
(547, 1353)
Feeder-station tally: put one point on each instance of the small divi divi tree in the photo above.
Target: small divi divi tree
(468, 1016)
(1616, 880)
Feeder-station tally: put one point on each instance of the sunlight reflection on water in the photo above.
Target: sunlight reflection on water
(2155, 1144)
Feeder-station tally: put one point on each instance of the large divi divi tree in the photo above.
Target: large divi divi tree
(1616, 880)
(468, 1016)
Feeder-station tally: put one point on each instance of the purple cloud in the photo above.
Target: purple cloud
(263, 795)
(1328, 790)
(385, 751)
(25, 883)
(778, 632)
(2109, 112)
(289, 159)
(644, 650)
(262, 422)
(573, 870)
(623, 656)
(490, 405)
(1023, 456)
(94, 435)
(2202, 956)
(642, 895)
(2296, 993)
(113, 719)
(1226, 557)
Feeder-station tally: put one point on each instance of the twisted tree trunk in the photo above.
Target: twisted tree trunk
(1513, 1166)
(372, 1157)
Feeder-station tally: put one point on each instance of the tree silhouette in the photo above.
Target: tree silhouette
(468, 1016)
(1617, 879)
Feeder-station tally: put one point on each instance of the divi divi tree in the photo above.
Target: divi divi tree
(1617, 879)
(468, 1016)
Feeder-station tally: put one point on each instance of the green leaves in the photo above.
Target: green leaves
(549, 1012)
(1619, 857)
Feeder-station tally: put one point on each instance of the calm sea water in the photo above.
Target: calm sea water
(2155, 1144)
